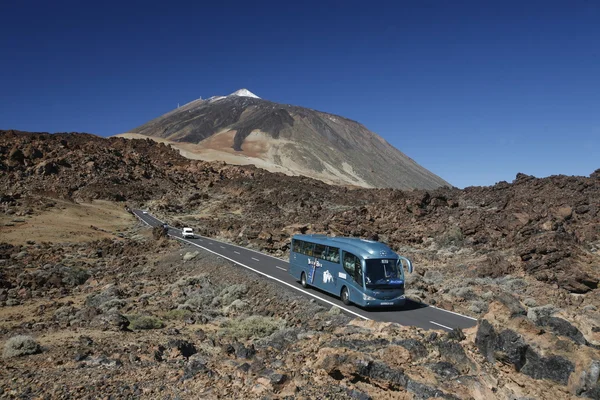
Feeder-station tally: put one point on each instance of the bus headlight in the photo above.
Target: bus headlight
(366, 297)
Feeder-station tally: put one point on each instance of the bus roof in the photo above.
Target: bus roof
(359, 247)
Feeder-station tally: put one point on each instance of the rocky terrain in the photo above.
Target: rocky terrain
(244, 129)
(136, 315)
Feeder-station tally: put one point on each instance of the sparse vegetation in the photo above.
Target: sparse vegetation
(178, 314)
(139, 322)
(253, 327)
(231, 293)
(21, 345)
(452, 236)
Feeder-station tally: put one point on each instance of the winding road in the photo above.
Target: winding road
(413, 314)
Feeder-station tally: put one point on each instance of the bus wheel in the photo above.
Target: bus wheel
(345, 296)
(303, 280)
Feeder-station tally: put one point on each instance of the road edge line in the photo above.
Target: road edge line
(452, 312)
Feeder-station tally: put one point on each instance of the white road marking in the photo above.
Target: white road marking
(255, 259)
(443, 326)
(278, 280)
(236, 252)
(452, 312)
(281, 268)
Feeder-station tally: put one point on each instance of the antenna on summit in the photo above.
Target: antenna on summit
(177, 105)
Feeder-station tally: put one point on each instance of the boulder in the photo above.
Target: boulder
(562, 327)
(554, 368)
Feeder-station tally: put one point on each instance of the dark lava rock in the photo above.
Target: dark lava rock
(185, 348)
(485, 340)
(454, 353)
(194, 366)
(422, 392)
(111, 321)
(277, 378)
(242, 351)
(511, 348)
(380, 371)
(456, 334)
(562, 327)
(555, 368)
(415, 348)
(444, 370)
(358, 395)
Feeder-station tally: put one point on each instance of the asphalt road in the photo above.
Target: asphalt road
(412, 314)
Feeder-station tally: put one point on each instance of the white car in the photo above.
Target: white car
(187, 233)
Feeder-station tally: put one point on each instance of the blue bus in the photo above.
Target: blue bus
(363, 272)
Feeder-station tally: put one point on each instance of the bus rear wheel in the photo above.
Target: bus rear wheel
(345, 296)
(303, 280)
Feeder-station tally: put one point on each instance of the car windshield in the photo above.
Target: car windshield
(383, 273)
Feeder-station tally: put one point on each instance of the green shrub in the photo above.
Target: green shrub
(113, 303)
(255, 326)
(198, 301)
(235, 307)
(20, 346)
(139, 322)
(231, 293)
(177, 314)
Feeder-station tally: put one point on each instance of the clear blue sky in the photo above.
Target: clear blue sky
(474, 91)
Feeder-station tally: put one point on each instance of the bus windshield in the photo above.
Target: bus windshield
(383, 273)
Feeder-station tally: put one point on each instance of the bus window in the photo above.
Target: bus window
(320, 251)
(297, 246)
(308, 248)
(350, 261)
(333, 255)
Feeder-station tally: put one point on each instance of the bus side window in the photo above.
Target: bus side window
(298, 246)
(308, 248)
(333, 254)
(349, 262)
(320, 251)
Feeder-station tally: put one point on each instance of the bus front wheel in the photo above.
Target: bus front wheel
(345, 296)
(303, 280)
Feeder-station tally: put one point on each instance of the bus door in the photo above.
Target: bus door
(354, 269)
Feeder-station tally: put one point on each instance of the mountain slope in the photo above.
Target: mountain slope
(244, 129)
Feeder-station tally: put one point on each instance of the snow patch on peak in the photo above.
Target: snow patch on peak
(244, 93)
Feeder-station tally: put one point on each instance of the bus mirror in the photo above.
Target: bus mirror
(408, 264)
